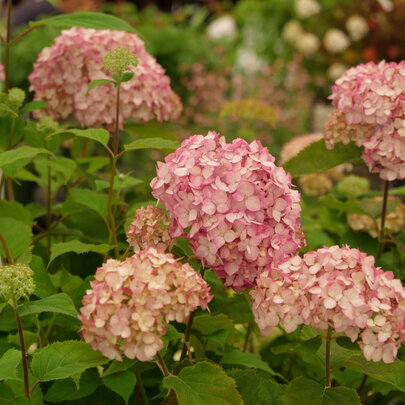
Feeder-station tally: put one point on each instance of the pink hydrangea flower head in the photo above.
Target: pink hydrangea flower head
(149, 228)
(338, 287)
(370, 110)
(237, 208)
(63, 71)
(130, 302)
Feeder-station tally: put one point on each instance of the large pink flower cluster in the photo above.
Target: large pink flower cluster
(130, 302)
(62, 74)
(370, 109)
(149, 228)
(337, 287)
(237, 208)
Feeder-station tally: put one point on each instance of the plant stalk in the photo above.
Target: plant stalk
(327, 358)
(6, 249)
(48, 209)
(162, 364)
(6, 61)
(383, 215)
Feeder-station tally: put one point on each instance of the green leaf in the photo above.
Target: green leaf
(66, 390)
(118, 366)
(77, 247)
(21, 153)
(96, 134)
(90, 199)
(255, 389)
(99, 82)
(63, 166)
(4, 108)
(64, 359)
(7, 396)
(203, 384)
(208, 324)
(246, 360)
(43, 283)
(98, 21)
(126, 76)
(33, 106)
(9, 363)
(59, 303)
(15, 210)
(122, 383)
(393, 373)
(152, 143)
(18, 236)
(316, 158)
(303, 391)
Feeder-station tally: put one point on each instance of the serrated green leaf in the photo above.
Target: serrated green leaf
(17, 234)
(122, 383)
(9, 363)
(64, 359)
(303, 391)
(33, 106)
(99, 82)
(152, 143)
(77, 247)
(98, 21)
(393, 373)
(118, 366)
(43, 283)
(90, 199)
(22, 153)
(59, 303)
(316, 158)
(203, 384)
(245, 359)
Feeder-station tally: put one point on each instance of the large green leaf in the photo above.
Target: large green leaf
(64, 359)
(393, 373)
(96, 134)
(15, 210)
(245, 359)
(18, 236)
(203, 384)
(21, 153)
(118, 366)
(303, 391)
(122, 383)
(59, 303)
(43, 283)
(63, 166)
(98, 21)
(316, 158)
(9, 363)
(91, 199)
(255, 389)
(152, 143)
(77, 247)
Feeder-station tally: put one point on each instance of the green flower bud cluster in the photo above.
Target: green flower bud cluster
(353, 186)
(16, 97)
(47, 124)
(119, 59)
(16, 281)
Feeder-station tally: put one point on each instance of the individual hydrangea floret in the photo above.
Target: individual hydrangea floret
(119, 59)
(149, 228)
(337, 287)
(237, 208)
(16, 281)
(370, 110)
(63, 72)
(130, 302)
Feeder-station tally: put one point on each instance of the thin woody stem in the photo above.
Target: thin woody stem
(162, 364)
(383, 215)
(327, 358)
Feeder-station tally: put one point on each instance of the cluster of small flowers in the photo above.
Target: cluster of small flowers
(62, 74)
(129, 303)
(240, 208)
(370, 103)
(337, 287)
(149, 228)
(16, 281)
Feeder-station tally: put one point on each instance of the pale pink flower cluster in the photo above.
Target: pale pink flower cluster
(130, 302)
(237, 208)
(338, 287)
(370, 103)
(63, 72)
(149, 228)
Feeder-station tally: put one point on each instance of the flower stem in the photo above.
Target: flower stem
(383, 215)
(6, 249)
(48, 209)
(247, 337)
(327, 358)
(23, 350)
(162, 364)
(6, 62)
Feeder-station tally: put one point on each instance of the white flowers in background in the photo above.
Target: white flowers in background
(248, 61)
(336, 70)
(357, 27)
(306, 8)
(335, 41)
(222, 28)
(292, 31)
(307, 44)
